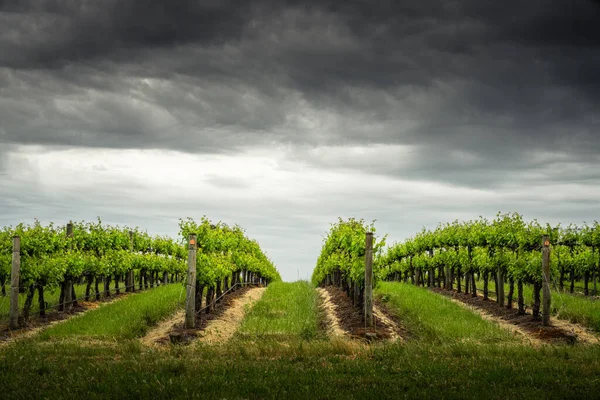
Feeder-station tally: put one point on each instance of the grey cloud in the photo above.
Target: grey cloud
(226, 182)
(290, 230)
(52, 33)
(498, 96)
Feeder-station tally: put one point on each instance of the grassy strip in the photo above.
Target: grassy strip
(433, 318)
(574, 308)
(127, 318)
(285, 310)
(315, 369)
(50, 296)
(577, 309)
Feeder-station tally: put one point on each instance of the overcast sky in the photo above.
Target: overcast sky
(283, 115)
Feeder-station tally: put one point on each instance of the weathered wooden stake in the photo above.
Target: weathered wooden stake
(594, 273)
(68, 300)
(369, 280)
(500, 287)
(130, 275)
(546, 280)
(14, 283)
(190, 299)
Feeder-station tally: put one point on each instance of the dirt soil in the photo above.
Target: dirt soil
(217, 326)
(220, 330)
(352, 322)
(384, 317)
(332, 323)
(558, 332)
(160, 333)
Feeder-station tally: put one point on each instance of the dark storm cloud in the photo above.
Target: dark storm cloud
(493, 81)
(50, 33)
(40, 33)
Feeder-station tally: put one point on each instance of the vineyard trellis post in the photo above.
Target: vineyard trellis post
(14, 284)
(68, 283)
(190, 299)
(130, 275)
(546, 280)
(369, 279)
(500, 285)
(594, 269)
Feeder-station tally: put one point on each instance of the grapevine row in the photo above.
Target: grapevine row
(54, 256)
(504, 249)
(342, 258)
(225, 257)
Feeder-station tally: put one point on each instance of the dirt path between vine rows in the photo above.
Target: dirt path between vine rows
(391, 326)
(222, 329)
(559, 331)
(333, 323)
(583, 334)
(217, 326)
(352, 323)
(524, 335)
(161, 331)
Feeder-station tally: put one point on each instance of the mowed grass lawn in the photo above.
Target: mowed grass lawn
(126, 318)
(286, 310)
(431, 317)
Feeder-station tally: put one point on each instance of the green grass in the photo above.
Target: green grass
(577, 309)
(285, 310)
(50, 297)
(574, 308)
(301, 370)
(431, 317)
(126, 318)
(452, 354)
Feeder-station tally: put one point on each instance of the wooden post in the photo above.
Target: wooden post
(130, 275)
(190, 299)
(69, 281)
(546, 280)
(369, 280)
(500, 287)
(594, 274)
(431, 275)
(14, 283)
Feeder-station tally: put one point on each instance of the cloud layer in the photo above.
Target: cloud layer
(287, 114)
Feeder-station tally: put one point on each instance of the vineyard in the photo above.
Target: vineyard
(496, 308)
(506, 248)
(502, 258)
(90, 257)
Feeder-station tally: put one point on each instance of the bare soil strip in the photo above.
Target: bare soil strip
(558, 332)
(53, 317)
(333, 323)
(582, 334)
(160, 333)
(523, 334)
(217, 326)
(353, 323)
(222, 329)
(382, 318)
